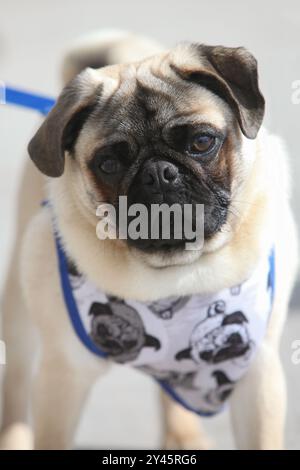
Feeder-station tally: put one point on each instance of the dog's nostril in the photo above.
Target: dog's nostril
(169, 173)
(159, 174)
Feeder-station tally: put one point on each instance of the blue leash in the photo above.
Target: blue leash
(40, 103)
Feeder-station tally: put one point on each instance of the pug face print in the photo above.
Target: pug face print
(118, 330)
(165, 308)
(220, 337)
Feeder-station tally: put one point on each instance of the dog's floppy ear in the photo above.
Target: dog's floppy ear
(59, 131)
(229, 72)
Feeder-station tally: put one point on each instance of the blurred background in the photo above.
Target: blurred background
(33, 37)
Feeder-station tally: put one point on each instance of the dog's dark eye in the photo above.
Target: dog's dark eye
(202, 144)
(110, 161)
(110, 166)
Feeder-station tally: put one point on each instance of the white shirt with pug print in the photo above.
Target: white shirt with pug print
(196, 347)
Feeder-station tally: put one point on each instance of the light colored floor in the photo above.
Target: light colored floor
(123, 410)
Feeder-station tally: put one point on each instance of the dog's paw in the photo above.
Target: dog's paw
(18, 436)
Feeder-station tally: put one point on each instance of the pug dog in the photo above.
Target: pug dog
(158, 126)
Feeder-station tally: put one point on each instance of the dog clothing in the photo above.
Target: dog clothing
(197, 347)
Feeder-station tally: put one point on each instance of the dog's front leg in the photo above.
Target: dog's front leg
(66, 369)
(181, 428)
(258, 404)
(59, 393)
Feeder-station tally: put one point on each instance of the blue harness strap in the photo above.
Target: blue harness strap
(14, 96)
(70, 301)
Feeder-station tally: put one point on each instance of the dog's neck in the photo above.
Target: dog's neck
(113, 269)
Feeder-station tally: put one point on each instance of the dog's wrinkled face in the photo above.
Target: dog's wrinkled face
(164, 130)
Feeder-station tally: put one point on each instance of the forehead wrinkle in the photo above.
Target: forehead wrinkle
(115, 104)
(112, 105)
(149, 77)
(204, 103)
(116, 84)
(157, 77)
(122, 111)
(127, 81)
(160, 95)
(204, 116)
(110, 86)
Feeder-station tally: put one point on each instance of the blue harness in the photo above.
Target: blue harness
(15, 96)
(196, 347)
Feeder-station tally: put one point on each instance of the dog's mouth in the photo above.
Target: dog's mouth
(160, 254)
(174, 237)
(171, 214)
(164, 259)
(161, 228)
(159, 246)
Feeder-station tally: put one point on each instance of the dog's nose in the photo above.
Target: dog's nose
(159, 175)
